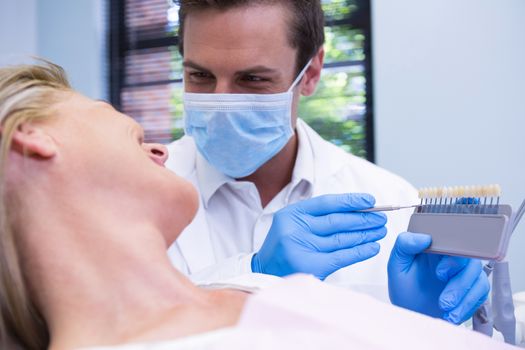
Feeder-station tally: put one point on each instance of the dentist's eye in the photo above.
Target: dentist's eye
(253, 79)
(200, 76)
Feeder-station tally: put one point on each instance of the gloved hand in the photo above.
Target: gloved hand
(451, 288)
(321, 235)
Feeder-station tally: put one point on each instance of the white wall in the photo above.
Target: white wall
(72, 34)
(17, 29)
(69, 33)
(450, 97)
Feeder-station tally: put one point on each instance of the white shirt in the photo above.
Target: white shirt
(231, 224)
(300, 312)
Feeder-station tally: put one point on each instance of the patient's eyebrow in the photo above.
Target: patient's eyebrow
(139, 131)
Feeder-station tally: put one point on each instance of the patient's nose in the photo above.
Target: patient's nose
(157, 152)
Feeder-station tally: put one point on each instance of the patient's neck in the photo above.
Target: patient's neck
(102, 279)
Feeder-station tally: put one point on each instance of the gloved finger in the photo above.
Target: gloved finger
(407, 246)
(475, 297)
(346, 257)
(344, 240)
(336, 203)
(472, 311)
(449, 266)
(460, 285)
(345, 222)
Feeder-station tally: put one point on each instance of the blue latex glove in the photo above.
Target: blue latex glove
(321, 235)
(451, 288)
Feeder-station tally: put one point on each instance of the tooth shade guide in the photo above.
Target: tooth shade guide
(468, 199)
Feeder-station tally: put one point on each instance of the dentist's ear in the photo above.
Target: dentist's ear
(33, 141)
(313, 74)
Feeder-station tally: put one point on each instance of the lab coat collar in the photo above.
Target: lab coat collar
(327, 159)
(210, 179)
(304, 163)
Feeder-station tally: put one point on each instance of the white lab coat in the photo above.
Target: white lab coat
(334, 171)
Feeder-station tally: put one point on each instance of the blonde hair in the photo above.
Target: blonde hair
(27, 93)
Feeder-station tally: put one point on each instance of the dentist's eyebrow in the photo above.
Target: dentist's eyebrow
(258, 69)
(190, 64)
(251, 70)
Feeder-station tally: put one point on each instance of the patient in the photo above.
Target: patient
(87, 213)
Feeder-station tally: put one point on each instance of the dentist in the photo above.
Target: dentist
(257, 167)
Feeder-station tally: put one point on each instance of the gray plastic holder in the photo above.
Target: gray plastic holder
(474, 235)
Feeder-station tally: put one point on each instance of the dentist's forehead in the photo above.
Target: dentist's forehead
(239, 28)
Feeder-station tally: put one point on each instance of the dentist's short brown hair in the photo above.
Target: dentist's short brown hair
(305, 26)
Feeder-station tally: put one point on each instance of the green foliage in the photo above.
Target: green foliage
(177, 130)
(336, 110)
(343, 43)
(338, 9)
(176, 63)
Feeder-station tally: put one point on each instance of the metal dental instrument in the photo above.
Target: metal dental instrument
(387, 208)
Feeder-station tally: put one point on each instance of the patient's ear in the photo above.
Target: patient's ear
(32, 140)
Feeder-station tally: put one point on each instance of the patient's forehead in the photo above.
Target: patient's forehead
(74, 99)
(73, 103)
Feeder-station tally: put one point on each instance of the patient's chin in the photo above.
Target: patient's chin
(183, 210)
(193, 199)
(190, 202)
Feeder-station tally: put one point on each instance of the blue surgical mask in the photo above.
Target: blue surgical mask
(237, 133)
